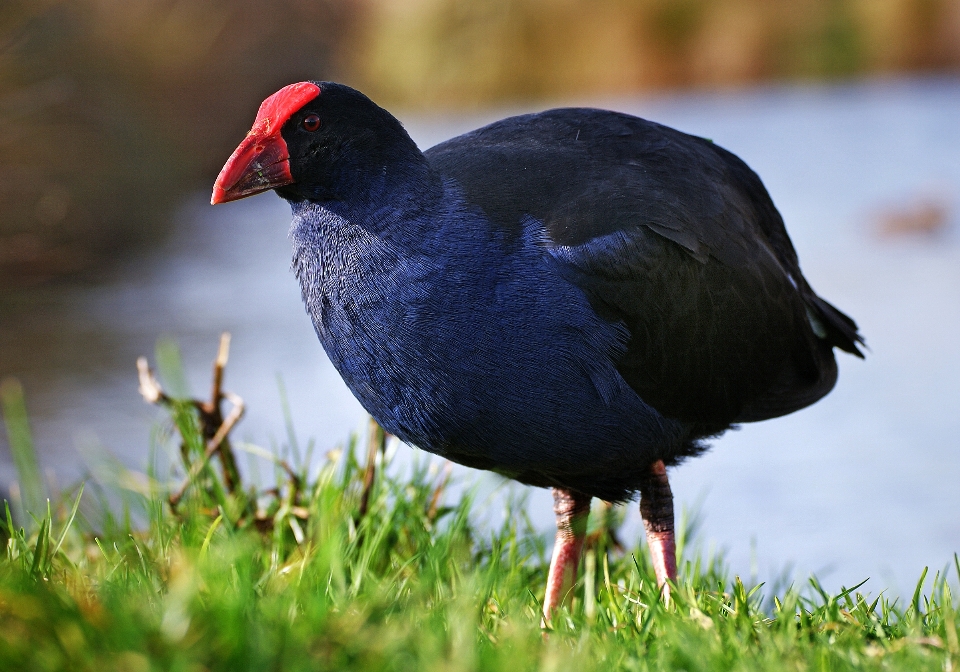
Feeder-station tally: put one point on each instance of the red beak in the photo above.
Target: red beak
(261, 162)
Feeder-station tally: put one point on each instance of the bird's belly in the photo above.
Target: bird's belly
(541, 404)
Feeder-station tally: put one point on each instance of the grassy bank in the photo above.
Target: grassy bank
(328, 569)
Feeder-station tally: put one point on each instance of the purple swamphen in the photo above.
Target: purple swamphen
(574, 299)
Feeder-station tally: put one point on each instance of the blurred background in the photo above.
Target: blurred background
(111, 112)
(115, 117)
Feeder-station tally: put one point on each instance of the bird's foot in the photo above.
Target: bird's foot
(656, 508)
(572, 509)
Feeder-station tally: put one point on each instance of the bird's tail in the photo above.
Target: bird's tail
(841, 330)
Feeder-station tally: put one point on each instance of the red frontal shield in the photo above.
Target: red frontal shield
(262, 162)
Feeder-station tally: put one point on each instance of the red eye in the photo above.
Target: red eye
(311, 122)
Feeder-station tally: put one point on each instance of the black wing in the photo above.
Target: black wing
(676, 238)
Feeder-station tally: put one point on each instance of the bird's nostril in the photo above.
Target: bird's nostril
(258, 148)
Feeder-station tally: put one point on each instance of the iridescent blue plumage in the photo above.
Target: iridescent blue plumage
(564, 298)
(574, 298)
(472, 345)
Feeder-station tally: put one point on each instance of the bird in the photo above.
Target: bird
(576, 299)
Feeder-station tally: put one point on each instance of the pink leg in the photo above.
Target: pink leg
(572, 509)
(656, 508)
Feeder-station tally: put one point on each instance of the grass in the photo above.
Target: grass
(292, 577)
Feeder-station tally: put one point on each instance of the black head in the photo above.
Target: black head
(320, 141)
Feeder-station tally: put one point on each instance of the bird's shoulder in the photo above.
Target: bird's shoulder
(586, 173)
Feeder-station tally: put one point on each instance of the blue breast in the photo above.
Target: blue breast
(470, 344)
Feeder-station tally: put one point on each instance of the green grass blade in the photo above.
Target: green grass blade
(39, 550)
(204, 547)
(292, 442)
(915, 600)
(21, 445)
(170, 366)
(69, 523)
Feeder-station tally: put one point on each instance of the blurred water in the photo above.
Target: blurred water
(865, 483)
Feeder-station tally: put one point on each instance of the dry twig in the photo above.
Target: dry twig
(377, 442)
(214, 427)
(434, 507)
